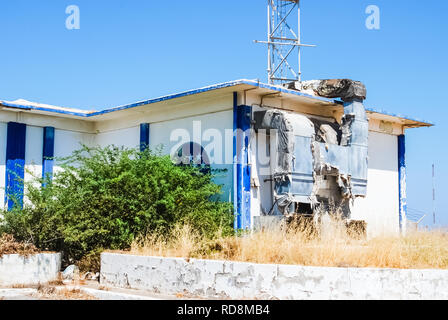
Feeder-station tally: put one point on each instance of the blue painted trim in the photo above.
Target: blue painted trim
(242, 170)
(402, 180)
(144, 136)
(26, 108)
(236, 189)
(48, 153)
(170, 97)
(401, 116)
(15, 164)
(253, 83)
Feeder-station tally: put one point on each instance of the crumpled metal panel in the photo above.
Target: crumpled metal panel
(302, 173)
(346, 89)
(318, 170)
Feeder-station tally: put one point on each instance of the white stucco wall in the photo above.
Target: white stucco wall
(34, 269)
(261, 200)
(129, 137)
(3, 137)
(69, 134)
(66, 141)
(33, 152)
(380, 209)
(211, 127)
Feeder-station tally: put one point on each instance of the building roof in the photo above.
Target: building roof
(244, 84)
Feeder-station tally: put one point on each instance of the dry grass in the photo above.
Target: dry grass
(8, 245)
(329, 244)
(50, 292)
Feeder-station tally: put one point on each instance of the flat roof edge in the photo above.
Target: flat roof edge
(43, 109)
(254, 83)
(421, 123)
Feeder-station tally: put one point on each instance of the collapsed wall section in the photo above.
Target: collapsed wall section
(318, 163)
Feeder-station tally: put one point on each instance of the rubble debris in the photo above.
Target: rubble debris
(327, 131)
(346, 89)
(71, 272)
(346, 124)
(328, 134)
(91, 276)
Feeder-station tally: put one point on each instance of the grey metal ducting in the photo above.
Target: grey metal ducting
(322, 166)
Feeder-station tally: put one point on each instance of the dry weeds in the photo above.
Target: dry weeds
(8, 245)
(49, 292)
(329, 244)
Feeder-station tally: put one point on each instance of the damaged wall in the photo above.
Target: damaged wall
(320, 163)
(240, 280)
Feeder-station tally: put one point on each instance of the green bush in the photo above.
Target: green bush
(104, 198)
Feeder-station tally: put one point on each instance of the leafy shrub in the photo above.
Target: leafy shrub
(104, 198)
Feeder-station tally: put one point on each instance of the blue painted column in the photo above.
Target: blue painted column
(15, 164)
(144, 136)
(402, 181)
(48, 153)
(241, 168)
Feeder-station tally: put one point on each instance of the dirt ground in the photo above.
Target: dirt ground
(89, 290)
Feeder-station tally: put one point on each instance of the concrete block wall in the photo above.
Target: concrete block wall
(237, 280)
(31, 270)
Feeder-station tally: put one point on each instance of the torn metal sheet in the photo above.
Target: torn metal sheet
(275, 120)
(325, 164)
(346, 89)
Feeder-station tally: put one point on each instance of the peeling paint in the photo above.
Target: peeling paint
(241, 280)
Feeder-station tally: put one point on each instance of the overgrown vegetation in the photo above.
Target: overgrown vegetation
(104, 198)
(327, 244)
(51, 292)
(123, 199)
(9, 245)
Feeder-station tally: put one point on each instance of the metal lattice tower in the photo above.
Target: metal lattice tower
(283, 40)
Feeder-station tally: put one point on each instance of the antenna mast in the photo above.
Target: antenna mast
(283, 40)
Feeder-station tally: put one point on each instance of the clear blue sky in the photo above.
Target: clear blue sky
(127, 51)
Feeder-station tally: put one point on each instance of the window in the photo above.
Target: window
(192, 153)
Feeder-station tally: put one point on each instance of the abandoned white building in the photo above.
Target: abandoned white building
(286, 149)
